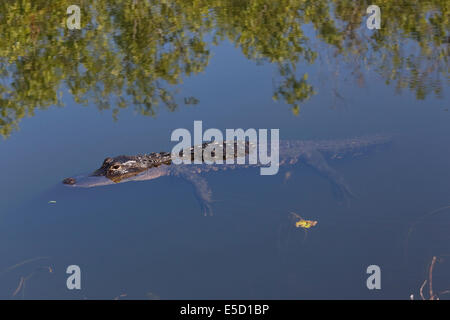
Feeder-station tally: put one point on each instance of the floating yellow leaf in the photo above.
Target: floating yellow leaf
(302, 223)
(306, 224)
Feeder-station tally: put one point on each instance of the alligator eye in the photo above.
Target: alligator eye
(116, 166)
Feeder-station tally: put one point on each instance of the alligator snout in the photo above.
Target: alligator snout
(70, 181)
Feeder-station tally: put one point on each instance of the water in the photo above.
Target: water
(149, 239)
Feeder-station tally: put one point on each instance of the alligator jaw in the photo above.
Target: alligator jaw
(87, 181)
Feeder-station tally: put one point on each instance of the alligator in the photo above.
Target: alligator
(314, 153)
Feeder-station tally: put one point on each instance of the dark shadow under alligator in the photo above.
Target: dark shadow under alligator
(151, 166)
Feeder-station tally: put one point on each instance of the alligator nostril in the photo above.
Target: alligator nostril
(70, 181)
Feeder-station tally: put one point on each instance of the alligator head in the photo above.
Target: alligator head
(123, 167)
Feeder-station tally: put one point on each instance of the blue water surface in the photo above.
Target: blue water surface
(150, 240)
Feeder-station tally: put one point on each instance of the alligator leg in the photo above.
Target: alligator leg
(203, 192)
(316, 160)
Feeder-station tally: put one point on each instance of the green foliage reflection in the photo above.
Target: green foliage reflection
(138, 51)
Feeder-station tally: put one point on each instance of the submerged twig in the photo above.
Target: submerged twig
(21, 284)
(413, 225)
(21, 264)
(23, 280)
(120, 296)
(429, 281)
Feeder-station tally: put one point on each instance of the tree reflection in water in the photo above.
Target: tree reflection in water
(137, 52)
